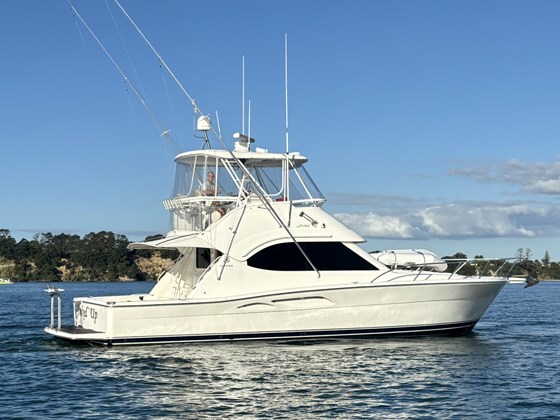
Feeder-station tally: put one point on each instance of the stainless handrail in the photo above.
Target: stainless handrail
(424, 268)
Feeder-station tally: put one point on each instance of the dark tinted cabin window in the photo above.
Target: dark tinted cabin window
(326, 256)
(203, 257)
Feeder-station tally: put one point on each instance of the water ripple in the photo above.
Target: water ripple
(508, 368)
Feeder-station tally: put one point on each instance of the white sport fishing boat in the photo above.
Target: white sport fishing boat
(261, 259)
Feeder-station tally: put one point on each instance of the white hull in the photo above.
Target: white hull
(355, 311)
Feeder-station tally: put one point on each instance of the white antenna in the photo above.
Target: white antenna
(243, 95)
(243, 143)
(286, 86)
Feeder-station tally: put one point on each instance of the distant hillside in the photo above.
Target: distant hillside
(104, 256)
(95, 257)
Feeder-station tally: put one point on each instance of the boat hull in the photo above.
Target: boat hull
(73, 334)
(353, 312)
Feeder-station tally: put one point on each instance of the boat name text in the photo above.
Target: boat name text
(87, 312)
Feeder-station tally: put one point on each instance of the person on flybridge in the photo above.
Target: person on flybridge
(209, 188)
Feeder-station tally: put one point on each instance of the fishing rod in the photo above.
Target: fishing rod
(158, 122)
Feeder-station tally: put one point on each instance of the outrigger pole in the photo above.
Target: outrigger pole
(159, 57)
(164, 131)
(258, 190)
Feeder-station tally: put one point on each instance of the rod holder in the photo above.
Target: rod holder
(55, 292)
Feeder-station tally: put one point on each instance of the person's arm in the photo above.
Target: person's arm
(208, 189)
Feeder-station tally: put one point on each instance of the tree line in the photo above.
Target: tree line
(93, 257)
(104, 256)
(525, 265)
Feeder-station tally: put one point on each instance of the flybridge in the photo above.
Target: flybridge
(281, 177)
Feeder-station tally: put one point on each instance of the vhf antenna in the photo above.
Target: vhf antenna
(286, 86)
(243, 94)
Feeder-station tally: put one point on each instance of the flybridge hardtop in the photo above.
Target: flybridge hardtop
(261, 259)
(258, 158)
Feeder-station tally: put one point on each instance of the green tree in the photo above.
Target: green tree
(105, 256)
(546, 258)
(7, 244)
(456, 261)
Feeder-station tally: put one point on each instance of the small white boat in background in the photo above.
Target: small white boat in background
(5, 281)
(261, 259)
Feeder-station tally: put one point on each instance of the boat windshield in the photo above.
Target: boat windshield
(282, 177)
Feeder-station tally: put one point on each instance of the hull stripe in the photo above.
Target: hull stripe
(446, 329)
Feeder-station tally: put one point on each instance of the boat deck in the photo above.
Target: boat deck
(72, 329)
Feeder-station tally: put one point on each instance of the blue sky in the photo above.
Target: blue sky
(428, 124)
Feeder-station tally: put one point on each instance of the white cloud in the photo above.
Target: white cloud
(549, 186)
(403, 217)
(534, 178)
(460, 220)
(374, 225)
(466, 221)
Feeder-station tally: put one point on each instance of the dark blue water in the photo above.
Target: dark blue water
(508, 368)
